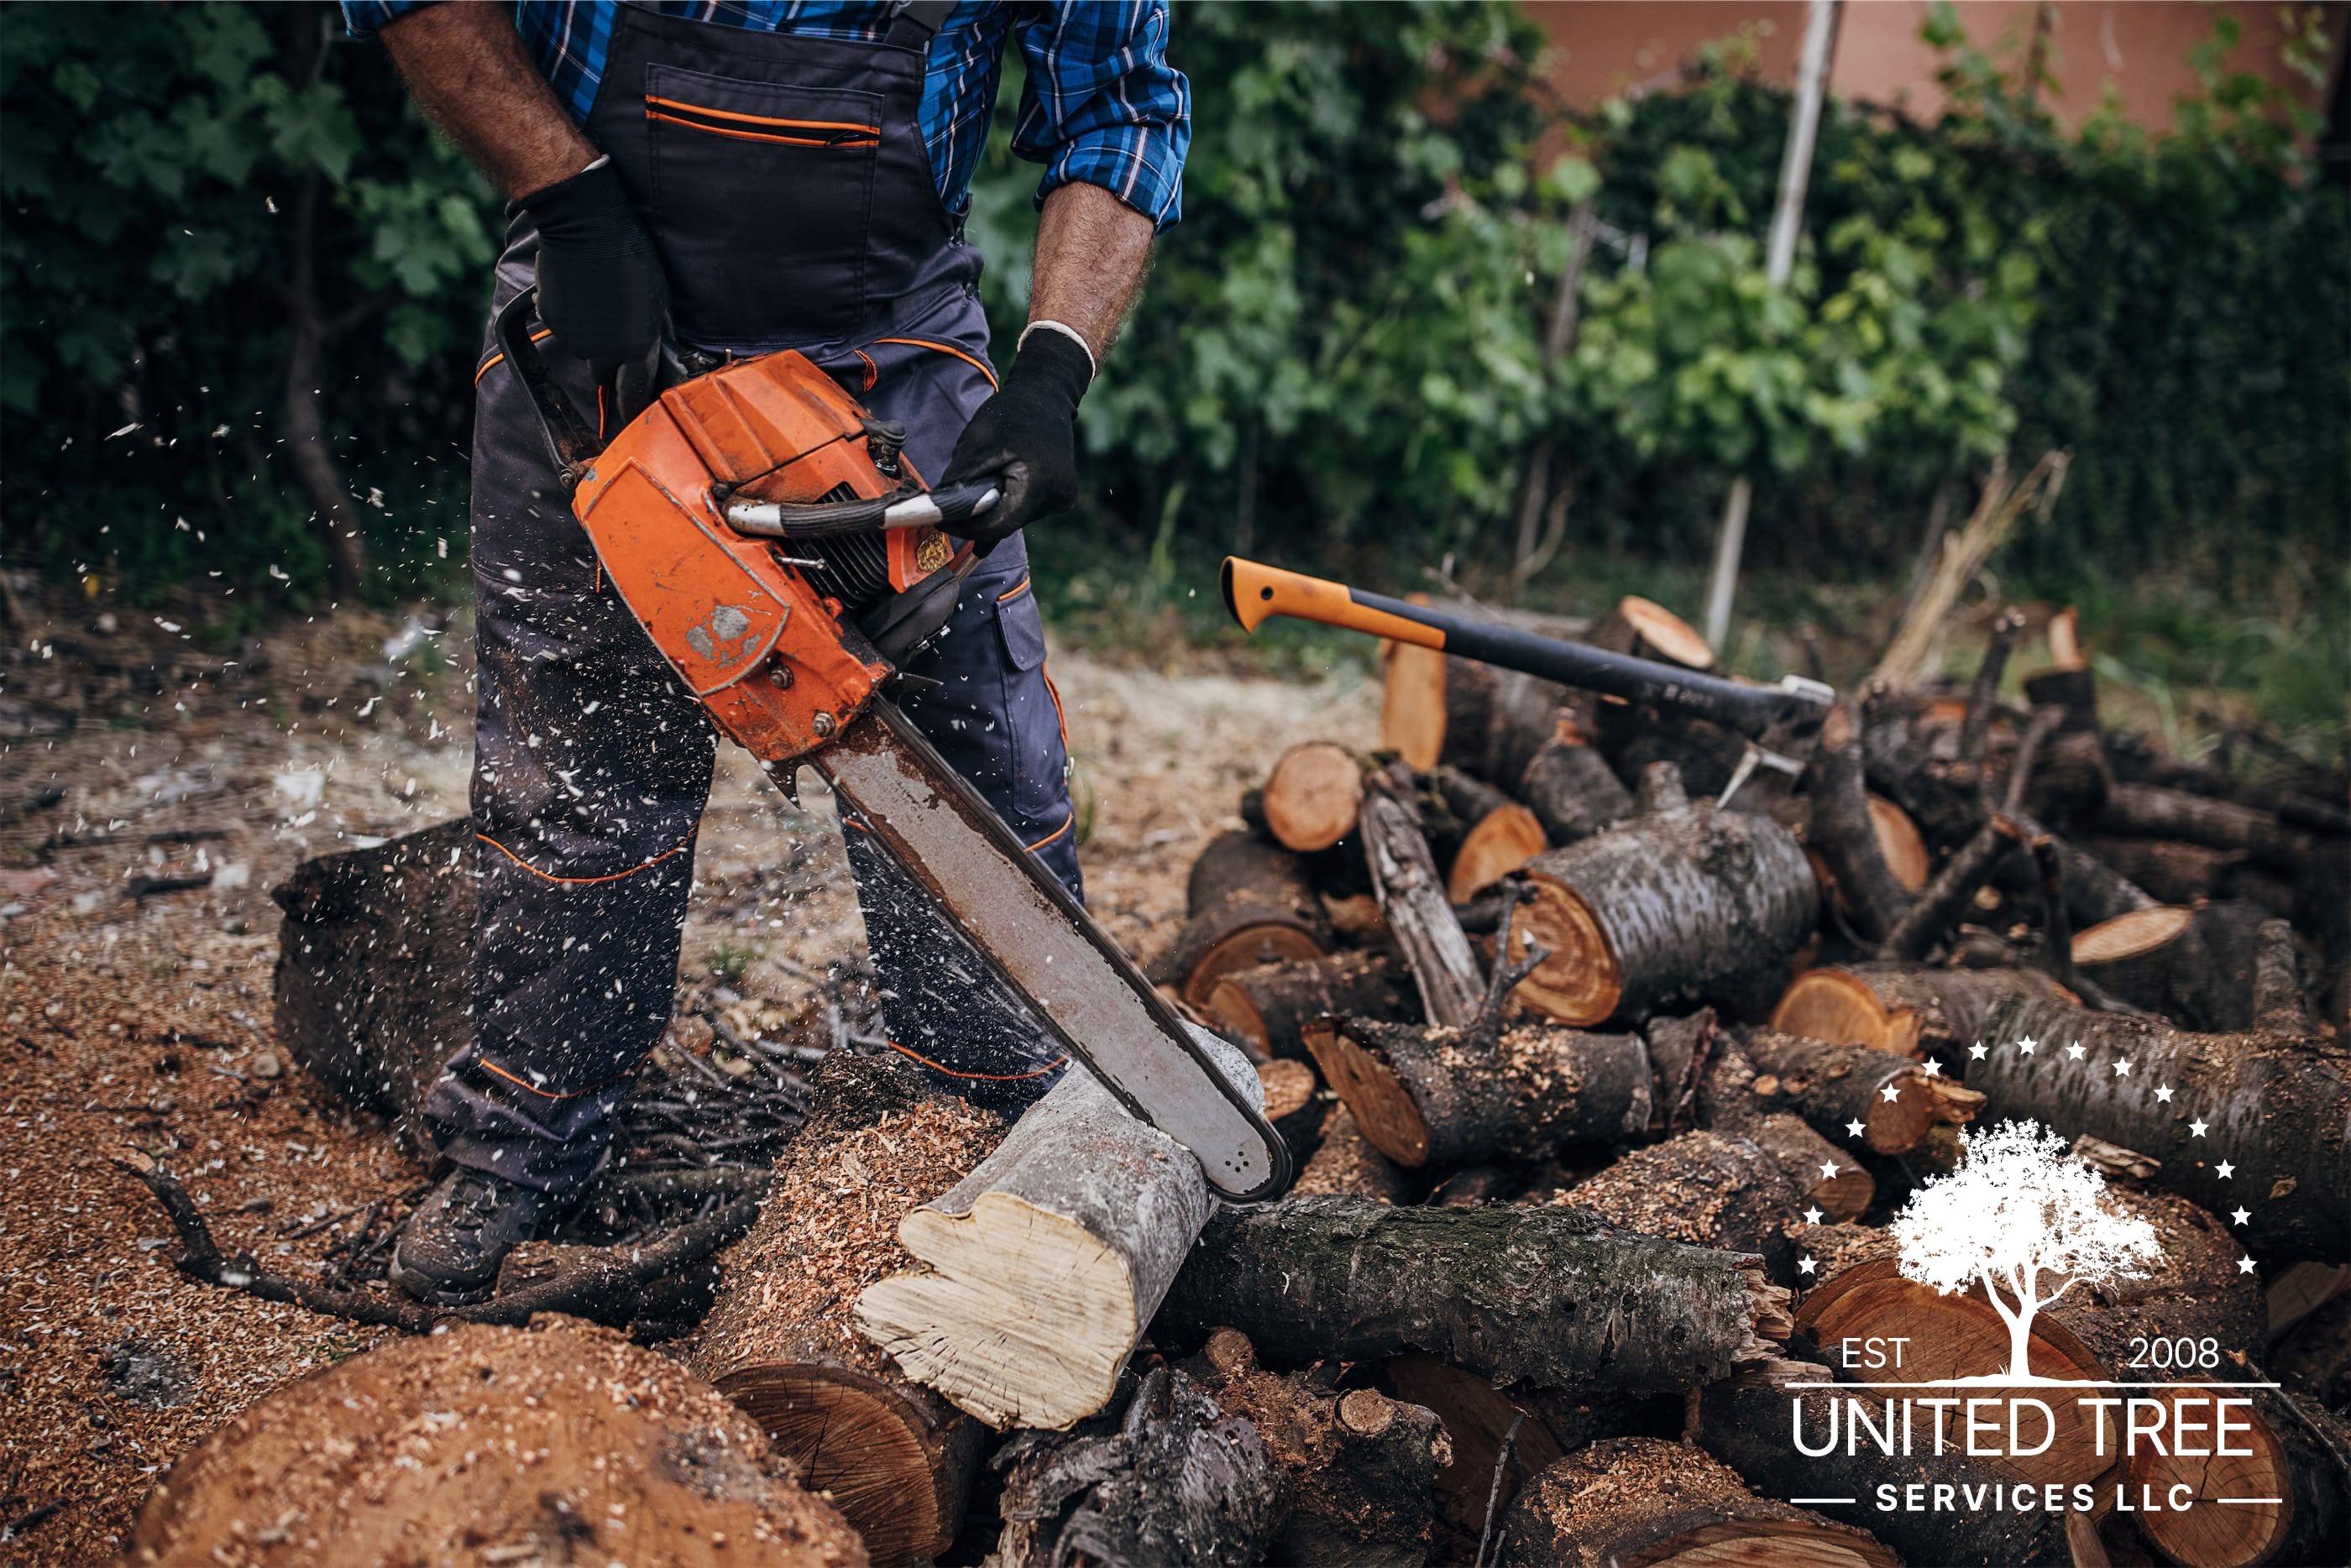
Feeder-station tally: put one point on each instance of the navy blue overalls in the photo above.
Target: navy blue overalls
(784, 178)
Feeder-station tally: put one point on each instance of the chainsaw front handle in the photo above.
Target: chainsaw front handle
(1255, 593)
(828, 519)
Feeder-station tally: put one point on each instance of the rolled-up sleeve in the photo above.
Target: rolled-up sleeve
(365, 18)
(1103, 105)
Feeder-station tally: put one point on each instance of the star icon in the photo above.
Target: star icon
(2239, 1216)
(1932, 1068)
(2244, 1265)
(2163, 1092)
(2196, 1128)
(2075, 1051)
(2224, 1170)
(2026, 1044)
(1890, 1093)
(1853, 1129)
(1813, 1215)
(1978, 1051)
(1829, 1170)
(2122, 1068)
(1807, 1264)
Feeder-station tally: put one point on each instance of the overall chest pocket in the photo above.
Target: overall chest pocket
(762, 196)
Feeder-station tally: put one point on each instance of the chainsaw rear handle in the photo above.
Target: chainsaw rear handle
(1255, 593)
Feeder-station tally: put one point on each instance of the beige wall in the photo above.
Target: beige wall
(2138, 45)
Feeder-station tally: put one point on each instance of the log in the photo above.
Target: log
(1683, 903)
(1487, 835)
(1570, 786)
(2168, 870)
(1729, 1097)
(1433, 1095)
(1347, 1165)
(779, 1341)
(1293, 1101)
(1833, 1086)
(1708, 1188)
(1643, 1499)
(1045, 1263)
(2274, 1103)
(1746, 1421)
(1311, 797)
(2193, 966)
(1173, 1481)
(1486, 720)
(563, 1442)
(1266, 1009)
(364, 992)
(1250, 903)
(1360, 1468)
(1541, 1294)
(1844, 834)
(1939, 903)
(1647, 630)
(2151, 811)
(1913, 1012)
(1426, 931)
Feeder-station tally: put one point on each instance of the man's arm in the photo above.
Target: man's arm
(1092, 251)
(464, 65)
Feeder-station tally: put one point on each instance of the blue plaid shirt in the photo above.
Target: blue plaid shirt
(1101, 104)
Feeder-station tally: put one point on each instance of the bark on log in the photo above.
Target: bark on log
(2150, 811)
(2193, 966)
(1435, 707)
(1347, 1165)
(1570, 786)
(1360, 1467)
(1547, 1295)
(897, 1458)
(1903, 1008)
(1487, 834)
(1832, 1086)
(1172, 1482)
(1444, 967)
(364, 992)
(1643, 1499)
(1682, 903)
(1268, 1007)
(1938, 906)
(1047, 1261)
(1311, 797)
(1250, 903)
(2275, 1104)
(1708, 1188)
(589, 1449)
(1844, 833)
(2167, 869)
(1746, 1421)
(1450, 1096)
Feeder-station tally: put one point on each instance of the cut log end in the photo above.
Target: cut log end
(1412, 713)
(1831, 1004)
(1899, 840)
(1311, 797)
(2131, 934)
(1499, 843)
(1581, 981)
(1381, 1108)
(1922, 1103)
(861, 1444)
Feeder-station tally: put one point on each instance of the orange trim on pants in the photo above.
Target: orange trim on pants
(541, 336)
(983, 1077)
(584, 881)
(977, 364)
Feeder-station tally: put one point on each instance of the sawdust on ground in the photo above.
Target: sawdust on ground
(150, 795)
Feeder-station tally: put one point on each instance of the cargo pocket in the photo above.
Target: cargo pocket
(762, 196)
(1031, 717)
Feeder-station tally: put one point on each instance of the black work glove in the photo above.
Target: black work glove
(601, 289)
(1025, 437)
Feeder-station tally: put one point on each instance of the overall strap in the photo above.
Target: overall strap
(912, 23)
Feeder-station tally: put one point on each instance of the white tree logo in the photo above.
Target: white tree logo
(2020, 1207)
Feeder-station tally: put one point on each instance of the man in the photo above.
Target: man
(744, 177)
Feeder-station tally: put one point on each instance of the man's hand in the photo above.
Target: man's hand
(601, 288)
(1092, 251)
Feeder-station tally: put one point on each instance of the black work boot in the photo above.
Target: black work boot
(450, 1250)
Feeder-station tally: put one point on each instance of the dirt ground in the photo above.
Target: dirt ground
(152, 793)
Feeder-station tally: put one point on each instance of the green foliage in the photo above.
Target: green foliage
(157, 162)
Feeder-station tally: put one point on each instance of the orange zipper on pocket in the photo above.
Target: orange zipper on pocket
(763, 127)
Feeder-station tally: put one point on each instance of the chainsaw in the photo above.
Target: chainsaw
(730, 514)
(1778, 722)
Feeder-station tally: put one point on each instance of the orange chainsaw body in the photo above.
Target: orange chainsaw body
(764, 651)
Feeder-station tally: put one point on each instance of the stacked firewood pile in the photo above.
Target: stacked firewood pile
(1603, 1093)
